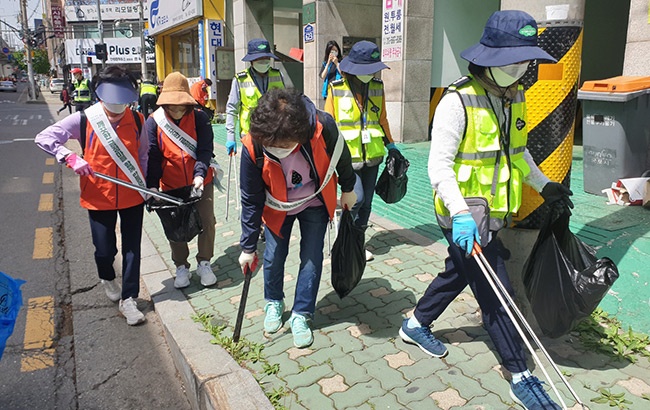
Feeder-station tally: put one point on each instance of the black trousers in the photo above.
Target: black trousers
(148, 104)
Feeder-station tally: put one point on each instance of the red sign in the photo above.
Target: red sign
(58, 20)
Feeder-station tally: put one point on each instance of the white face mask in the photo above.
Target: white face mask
(280, 153)
(335, 53)
(262, 66)
(115, 108)
(507, 75)
(365, 78)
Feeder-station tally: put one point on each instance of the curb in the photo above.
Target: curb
(213, 380)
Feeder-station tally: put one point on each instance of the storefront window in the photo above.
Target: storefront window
(185, 53)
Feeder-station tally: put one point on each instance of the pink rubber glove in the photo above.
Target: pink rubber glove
(78, 165)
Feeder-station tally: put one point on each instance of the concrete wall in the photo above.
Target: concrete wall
(251, 19)
(637, 49)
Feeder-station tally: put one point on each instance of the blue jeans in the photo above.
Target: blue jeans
(313, 224)
(365, 190)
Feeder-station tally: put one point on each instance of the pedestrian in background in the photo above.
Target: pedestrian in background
(119, 150)
(65, 98)
(82, 94)
(478, 150)
(180, 150)
(330, 66)
(201, 94)
(358, 105)
(284, 177)
(247, 88)
(148, 97)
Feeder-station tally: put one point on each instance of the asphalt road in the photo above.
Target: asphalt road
(70, 348)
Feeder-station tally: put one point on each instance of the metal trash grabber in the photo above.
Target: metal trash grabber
(159, 195)
(248, 273)
(237, 188)
(501, 292)
(228, 185)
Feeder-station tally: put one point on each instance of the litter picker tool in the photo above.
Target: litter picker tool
(237, 197)
(228, 186)
(159, 195)
(248, 273)
(503, 296)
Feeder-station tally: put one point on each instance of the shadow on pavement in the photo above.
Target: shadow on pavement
(381, 242)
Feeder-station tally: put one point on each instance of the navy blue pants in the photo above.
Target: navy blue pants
(460, 272)
(365, 190)
(102, 228)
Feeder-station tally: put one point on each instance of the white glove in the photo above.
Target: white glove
(247, 259)
(198, 183)
(348, 199)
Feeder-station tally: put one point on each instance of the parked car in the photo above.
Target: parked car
(56, 85)
(8, 86)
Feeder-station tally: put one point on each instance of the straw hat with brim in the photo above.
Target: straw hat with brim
(509, 37)
(175, 91)
(258, 48)
(116, 91)
(364, 59)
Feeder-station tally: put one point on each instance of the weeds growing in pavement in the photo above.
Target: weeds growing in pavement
(612, 399)
(604, 334)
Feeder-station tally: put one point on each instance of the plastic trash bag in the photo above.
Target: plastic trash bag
(11, 300)
(180, 223)
(564, 280)
(348, 256)
(391, 185)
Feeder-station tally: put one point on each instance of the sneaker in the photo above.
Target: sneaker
(273, 319)
(423, 337)
(302, 336)
(530, 394)
(112, 290)
(129, 309)
(183, 276)
(369, 256)
(205, 273)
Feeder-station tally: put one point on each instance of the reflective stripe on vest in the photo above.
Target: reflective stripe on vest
(82, 91)
(249, 94)
(148, 89)
(348, 119)
(476, 159)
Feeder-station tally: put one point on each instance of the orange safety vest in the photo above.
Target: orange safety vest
(177, 165)
(100, 194)
(276, 183)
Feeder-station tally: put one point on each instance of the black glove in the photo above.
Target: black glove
(555, 192)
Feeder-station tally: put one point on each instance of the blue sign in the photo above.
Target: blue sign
(5, 50)
(308, 33)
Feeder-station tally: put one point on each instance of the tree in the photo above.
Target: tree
(40, 61)
(19, 59)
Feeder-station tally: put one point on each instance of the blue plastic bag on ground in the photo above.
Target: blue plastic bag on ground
(11, 299)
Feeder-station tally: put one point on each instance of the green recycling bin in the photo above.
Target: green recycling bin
(615, 130)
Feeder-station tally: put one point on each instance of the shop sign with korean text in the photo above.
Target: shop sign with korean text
(120, 51)
(392, 35)
(165, 14)
(86, 10)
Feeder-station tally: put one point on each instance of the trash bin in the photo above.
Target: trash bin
(615, 130)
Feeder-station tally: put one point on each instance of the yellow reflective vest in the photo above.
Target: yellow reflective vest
(146, 88)
(82, 91)
(249, 94)
(348, 118)
(482, 147)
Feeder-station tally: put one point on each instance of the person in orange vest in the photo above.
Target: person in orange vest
(285, 157)
(201, 94)
(114, 142)
(173, 128)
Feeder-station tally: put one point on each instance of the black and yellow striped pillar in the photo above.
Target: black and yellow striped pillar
(551, 95)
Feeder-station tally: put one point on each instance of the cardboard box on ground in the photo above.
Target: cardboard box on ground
(629, 191)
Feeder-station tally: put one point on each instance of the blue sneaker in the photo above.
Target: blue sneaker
(302, 336)
(530, 394)
(423, 337)
(273, 319)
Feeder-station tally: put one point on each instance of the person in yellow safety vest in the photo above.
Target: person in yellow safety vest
(358, 105)
(148, 97)
(82, 95)
(478, 153)
(247, 88)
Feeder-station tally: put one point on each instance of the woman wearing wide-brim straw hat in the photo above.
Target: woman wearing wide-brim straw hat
(175, 164)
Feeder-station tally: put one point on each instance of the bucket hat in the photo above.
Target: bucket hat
(509, 37)
(258, 48)
(364, 59)
(176, 91)
(116, 91)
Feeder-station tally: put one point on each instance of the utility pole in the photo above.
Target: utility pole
(100, 27)
(143, 50)
(26, 39)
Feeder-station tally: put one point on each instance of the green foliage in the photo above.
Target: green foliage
(19, 58)
(276, 395)
(40, 62)
(612, 399)
(604, 334)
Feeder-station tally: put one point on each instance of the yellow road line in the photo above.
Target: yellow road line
(49, 161)
(38, 345)
(46, 203)
(42, 243)
(48, 177)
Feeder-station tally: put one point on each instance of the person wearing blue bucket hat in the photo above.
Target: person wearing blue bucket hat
(478, 154)
(113, 141)
(247, 88)
(358, 105)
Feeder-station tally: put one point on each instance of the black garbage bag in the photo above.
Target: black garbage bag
(564, 280)
(180, 223)
(348, 256)
(391, 185)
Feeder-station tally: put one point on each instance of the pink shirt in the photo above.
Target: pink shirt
(300, 184)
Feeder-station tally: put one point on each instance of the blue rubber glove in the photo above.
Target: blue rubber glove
(464, 232)
(231, 147)
(391, 146)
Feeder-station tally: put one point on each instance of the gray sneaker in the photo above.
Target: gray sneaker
(129, 309)
(205, 273)
(183, 276)
(112, 289)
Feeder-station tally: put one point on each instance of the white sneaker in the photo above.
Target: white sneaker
(129, 309)
(183, 276)
(369, 256)
(205, 273)
(112, 290)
